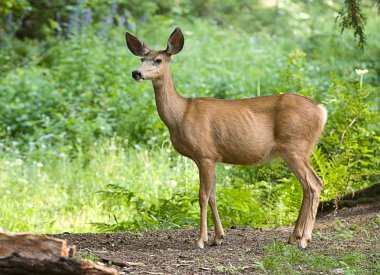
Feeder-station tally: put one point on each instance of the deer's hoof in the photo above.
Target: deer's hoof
(201, 243)
(300, 243)
(218, 240)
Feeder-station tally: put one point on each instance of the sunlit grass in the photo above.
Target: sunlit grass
(58, 194)
(280, 258)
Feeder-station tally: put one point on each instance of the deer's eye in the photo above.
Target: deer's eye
(158, 61)
(142, 59)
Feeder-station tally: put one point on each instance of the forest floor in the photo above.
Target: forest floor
(346, 241)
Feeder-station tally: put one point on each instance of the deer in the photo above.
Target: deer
(245, 131)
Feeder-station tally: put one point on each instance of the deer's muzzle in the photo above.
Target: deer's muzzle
(137, 75)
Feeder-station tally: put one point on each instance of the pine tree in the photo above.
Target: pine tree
(352, 17)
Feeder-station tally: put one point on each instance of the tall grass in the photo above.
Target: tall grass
(58, 194)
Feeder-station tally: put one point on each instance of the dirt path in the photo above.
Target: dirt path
(174, 252)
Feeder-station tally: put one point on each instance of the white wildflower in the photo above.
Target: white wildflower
(303, 16)
(361, 71)
(173, 183)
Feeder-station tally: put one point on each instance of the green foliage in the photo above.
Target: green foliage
(14, 6)
(177, 211)
(68, 103)
(351, 139)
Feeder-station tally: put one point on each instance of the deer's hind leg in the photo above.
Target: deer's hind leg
(311, 186)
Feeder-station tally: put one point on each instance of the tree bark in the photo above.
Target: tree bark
(40, 254)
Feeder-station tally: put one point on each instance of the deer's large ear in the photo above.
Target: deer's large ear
(135, 45)
(175, 42)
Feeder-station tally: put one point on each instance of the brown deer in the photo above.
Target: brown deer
(246, 132)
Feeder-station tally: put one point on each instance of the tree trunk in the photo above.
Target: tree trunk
(39, 254)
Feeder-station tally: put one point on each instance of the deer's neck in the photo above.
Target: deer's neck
(170, 105)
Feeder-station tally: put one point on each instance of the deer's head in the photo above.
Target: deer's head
(154, 63)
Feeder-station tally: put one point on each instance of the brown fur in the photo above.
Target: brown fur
(247, 131)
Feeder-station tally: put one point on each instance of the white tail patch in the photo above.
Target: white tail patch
(324, 113)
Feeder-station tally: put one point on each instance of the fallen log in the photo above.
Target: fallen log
(40, 254)
(367, 195)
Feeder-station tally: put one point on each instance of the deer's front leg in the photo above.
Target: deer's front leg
(206, 178)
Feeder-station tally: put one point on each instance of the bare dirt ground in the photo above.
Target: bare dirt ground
(174, 251)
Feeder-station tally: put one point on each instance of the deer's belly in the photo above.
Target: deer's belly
(247, 153)
(234, 150)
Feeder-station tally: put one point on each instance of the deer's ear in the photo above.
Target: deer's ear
(135, 45)
(175, 42)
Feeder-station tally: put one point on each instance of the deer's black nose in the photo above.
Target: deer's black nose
(136, 75)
